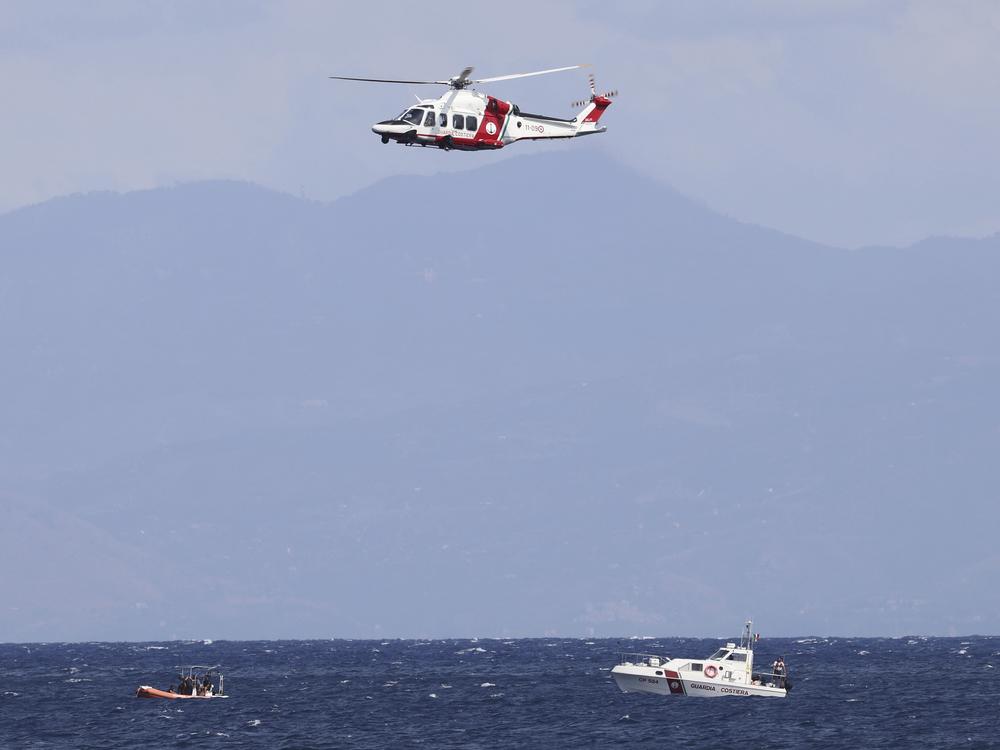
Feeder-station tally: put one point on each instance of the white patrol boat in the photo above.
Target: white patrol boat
(729, 671)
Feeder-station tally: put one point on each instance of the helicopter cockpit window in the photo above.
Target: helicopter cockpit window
(414, 116)
(470, 123)
(442, 120)
(457, 122)
(429, 119)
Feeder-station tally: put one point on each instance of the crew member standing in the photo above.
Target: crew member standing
(779, 670)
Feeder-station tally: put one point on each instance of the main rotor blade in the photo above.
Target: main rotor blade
(528, 75)
(387, 80)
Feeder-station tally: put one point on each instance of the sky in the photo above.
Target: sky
(850, 123)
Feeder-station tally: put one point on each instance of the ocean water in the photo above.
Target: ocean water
(525, 693)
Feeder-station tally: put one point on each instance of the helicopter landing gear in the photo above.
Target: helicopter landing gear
(385, 139)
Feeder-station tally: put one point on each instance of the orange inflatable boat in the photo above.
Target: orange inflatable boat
(195, 682)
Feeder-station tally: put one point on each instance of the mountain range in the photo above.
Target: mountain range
(547, 396)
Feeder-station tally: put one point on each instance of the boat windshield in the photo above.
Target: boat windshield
(719, 655)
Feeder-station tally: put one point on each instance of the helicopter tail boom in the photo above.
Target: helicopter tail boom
(540, 127)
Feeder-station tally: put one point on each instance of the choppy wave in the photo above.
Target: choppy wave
(550, 692)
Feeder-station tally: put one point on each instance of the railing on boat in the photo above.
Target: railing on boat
(645, 660)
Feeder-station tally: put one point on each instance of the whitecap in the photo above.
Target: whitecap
(444, 687)
(496, 695)
(862, 652)
(253, 723)
(432, 695)
(488, 684)
(344, 682)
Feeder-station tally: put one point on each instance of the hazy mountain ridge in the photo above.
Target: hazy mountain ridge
(399, 414)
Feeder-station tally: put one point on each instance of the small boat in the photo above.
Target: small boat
(198, 682)
(729, 671)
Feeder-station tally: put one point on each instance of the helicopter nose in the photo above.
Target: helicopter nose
(391, 127)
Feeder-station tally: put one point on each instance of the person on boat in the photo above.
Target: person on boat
(206, 686)
(779, 670)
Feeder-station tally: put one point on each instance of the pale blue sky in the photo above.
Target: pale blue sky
(847, 122)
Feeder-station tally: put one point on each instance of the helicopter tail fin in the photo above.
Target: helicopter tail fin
(592, 110)
(587, 118)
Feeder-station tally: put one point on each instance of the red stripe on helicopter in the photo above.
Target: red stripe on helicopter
(497, 111)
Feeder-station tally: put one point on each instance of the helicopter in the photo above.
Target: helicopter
(466, 120)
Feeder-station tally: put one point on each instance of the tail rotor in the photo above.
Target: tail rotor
(593, 93)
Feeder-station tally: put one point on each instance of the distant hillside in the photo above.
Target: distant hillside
(544, 396)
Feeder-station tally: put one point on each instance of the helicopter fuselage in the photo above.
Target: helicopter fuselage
(471, 121)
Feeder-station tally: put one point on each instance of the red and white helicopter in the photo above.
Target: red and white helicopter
(470, 121)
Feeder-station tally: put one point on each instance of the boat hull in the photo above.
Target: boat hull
(145, 691)
(637, 678)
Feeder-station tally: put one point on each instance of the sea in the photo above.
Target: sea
(911, 692)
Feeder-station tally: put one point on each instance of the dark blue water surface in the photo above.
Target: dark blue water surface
(532, 693)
